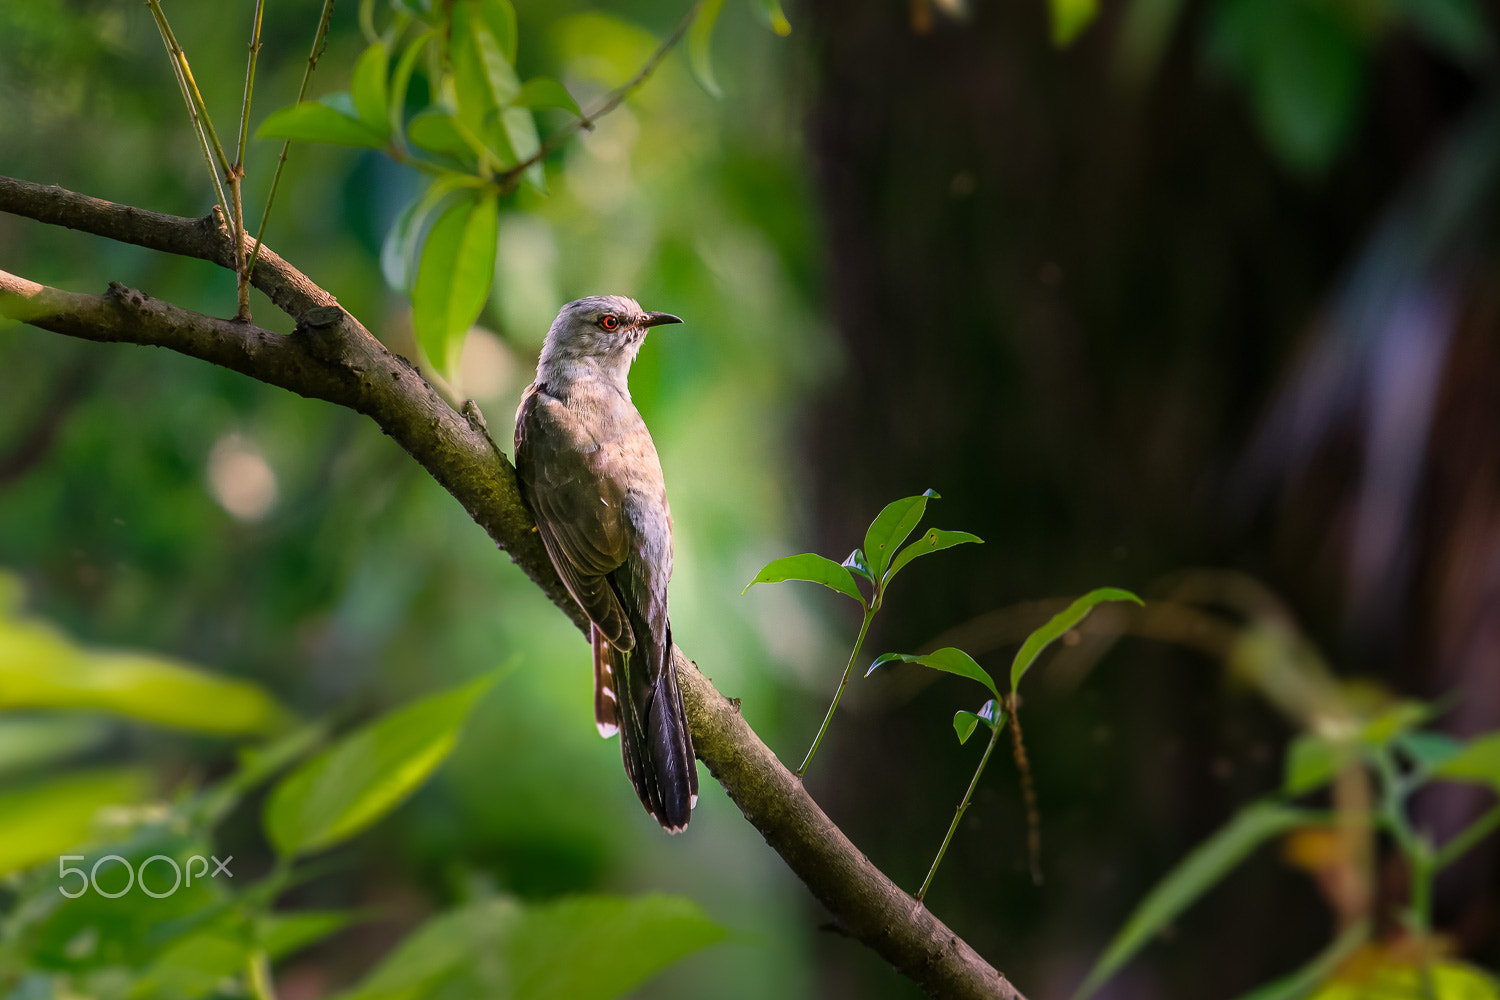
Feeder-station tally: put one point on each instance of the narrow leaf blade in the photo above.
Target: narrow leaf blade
(934, 541)
(949, 660)
(368, 89)
(891, 527)
(775, 16)
(365, 775)
(1059, 625)
(700, 46)
(314, 121)
(1190, 879)
(813, 568)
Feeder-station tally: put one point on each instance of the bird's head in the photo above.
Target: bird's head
(601, 333)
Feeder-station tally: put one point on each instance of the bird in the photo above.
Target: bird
(590, 474)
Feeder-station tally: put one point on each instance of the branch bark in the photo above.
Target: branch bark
(334, 358)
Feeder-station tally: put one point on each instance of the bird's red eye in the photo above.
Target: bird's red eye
(609, 322)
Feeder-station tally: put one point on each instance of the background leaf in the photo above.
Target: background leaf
(1301, 983)
(891, 527)
(38, 822)
(1479, 761)
(934, 541)
(1194, 875)
(1058, 625)
(700, 45)
(948, 659)
(368, 89)
(368, 773)
(453, 279)
(314, 121)
(1311, 762)
(42, 668)
(1070, 17)
(813, 568)
(774, 16)
(545, 92)
(582, 948)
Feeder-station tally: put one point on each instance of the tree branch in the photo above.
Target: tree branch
(332, 357)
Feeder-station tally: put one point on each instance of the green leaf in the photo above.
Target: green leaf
(42, 821)
(402, 78)
(315, 121)
(1059, 625)
(582, 948)
(42, 668)
(891, 527)
(989, 713)
(521, 135)
(1311, 762)
(365, 775)
(453, 279)
(1429, 750)
(398, 254)
(500, 18)
(436, 131)
(1400, 718)
(367, 88)
(934, 541)
(198, 963)
(1478, 762)
(771, 11)
(1069, 18)
(854, 562)
(27, 742)
(700, 45)
(544, 92)
(813, 568)
(1302, 982)
(1193, 876)
(948, 659)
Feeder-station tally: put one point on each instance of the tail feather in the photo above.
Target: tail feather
(655, 743)
(606, 701)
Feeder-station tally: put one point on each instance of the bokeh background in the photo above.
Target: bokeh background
(1204, 300)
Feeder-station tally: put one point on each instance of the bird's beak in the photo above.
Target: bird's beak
(657, 319)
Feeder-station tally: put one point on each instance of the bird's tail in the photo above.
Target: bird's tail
(636, 691)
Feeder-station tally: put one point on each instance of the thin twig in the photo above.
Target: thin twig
(320, 43)
(843, 683)
(170, 41)
(962, 807)
(614, 100)
(237, 173)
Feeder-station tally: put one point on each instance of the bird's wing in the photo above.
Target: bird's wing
(580, 512)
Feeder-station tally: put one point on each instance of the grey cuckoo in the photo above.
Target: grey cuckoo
(591, 476)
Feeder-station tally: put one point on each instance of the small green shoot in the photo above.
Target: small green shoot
(877, 564)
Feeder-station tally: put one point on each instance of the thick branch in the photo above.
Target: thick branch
(332, 357)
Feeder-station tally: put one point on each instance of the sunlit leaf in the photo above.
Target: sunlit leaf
(990, 713)
(1070, 17)
(38, 822)
(1193, 876)
(1401, 717)
(500, 18)
(521, 134)
(891, 527)
(544, 92)
(42, 668)
(1059, 625)
(316, 121)
(1311, 762)
(813, 568)
(367, 88)
(948, 659)
(1400, 977)
(1302, 982)
(855, 563)
(26, 742)
(583, 948)
(774, 16)
(700, 45)
(934, 541)
(454, 276)
(368, 773)
(1479, 761)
